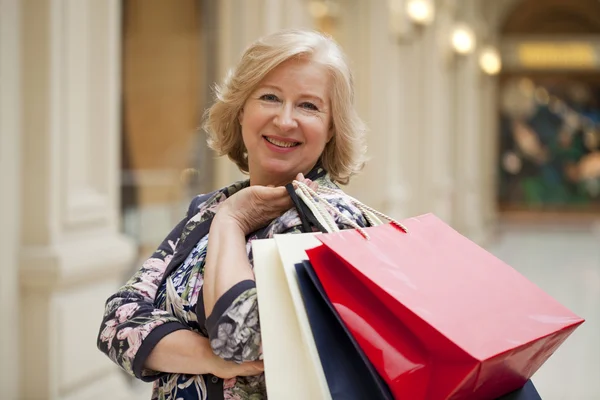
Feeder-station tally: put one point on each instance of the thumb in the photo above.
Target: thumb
(272, 192)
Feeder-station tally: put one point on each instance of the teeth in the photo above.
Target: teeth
(281, 144)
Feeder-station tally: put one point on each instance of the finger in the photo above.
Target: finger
(308, 182)
(282, 204)
(247, 364)
(300, 177)
(258, 364)
(275, 198)
(271, 192)
(279, 192)
(250, 368)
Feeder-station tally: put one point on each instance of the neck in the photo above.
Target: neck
(270, 181)
(277, 180)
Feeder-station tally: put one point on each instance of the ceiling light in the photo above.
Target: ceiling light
(420, 11)
(463, 39)
(490, 61)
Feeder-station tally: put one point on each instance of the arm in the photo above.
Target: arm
(227, 246)
(229, 290)
(230, 294)
(183, 352)
(132, 326)
(187, 352)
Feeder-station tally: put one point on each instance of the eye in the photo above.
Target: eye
(309, 106)
(269, 97)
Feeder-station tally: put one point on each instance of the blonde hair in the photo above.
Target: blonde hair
(344, 154)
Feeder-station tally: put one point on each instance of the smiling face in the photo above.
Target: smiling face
(286, 122)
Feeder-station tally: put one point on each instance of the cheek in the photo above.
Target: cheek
(256, 119)
(249, 127)
(319, 132)
(246, 137)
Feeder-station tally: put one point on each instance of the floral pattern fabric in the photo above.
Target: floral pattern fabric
(143, 311)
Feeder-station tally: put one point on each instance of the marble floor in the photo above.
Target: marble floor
(564, 260)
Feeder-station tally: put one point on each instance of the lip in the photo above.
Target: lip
(278, 149)
(282, 139)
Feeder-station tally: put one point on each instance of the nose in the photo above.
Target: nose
(284, 120)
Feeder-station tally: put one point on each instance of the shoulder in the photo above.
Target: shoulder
(198, 201)
(208, 201)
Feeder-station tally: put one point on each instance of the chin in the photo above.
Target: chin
(280, 171)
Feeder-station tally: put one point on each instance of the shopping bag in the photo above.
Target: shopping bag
(438, 316)
(527, 392)
(349, 373)
(292, 366)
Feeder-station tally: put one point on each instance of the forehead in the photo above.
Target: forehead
(299, 74)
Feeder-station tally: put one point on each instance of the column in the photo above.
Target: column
(436, 158)
(469, 203)
(10, 199)
(380, 68)
(72, 255)
(489, 151)
(402, 122)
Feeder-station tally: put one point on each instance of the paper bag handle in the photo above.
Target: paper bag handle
(308, 196)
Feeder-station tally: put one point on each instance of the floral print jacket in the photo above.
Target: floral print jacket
(165, 295)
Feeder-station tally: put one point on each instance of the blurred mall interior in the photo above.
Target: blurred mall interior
(483, 112)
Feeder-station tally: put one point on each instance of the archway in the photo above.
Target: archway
(549, 133)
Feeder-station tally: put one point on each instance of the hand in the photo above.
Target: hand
(229, 369)
(256, 206)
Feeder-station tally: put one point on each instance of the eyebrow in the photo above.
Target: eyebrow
(303, 95)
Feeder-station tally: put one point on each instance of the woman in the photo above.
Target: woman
(188, 319)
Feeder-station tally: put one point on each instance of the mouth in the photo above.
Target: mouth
(284, 144)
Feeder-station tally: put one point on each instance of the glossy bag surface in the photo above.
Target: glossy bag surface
(437, 315)
(350, 375)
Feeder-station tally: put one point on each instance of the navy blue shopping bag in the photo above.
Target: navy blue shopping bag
(527, 392)
(349, 373)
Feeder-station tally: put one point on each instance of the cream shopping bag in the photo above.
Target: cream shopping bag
(292, 366)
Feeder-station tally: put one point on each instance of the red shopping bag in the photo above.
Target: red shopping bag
(437, 315)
